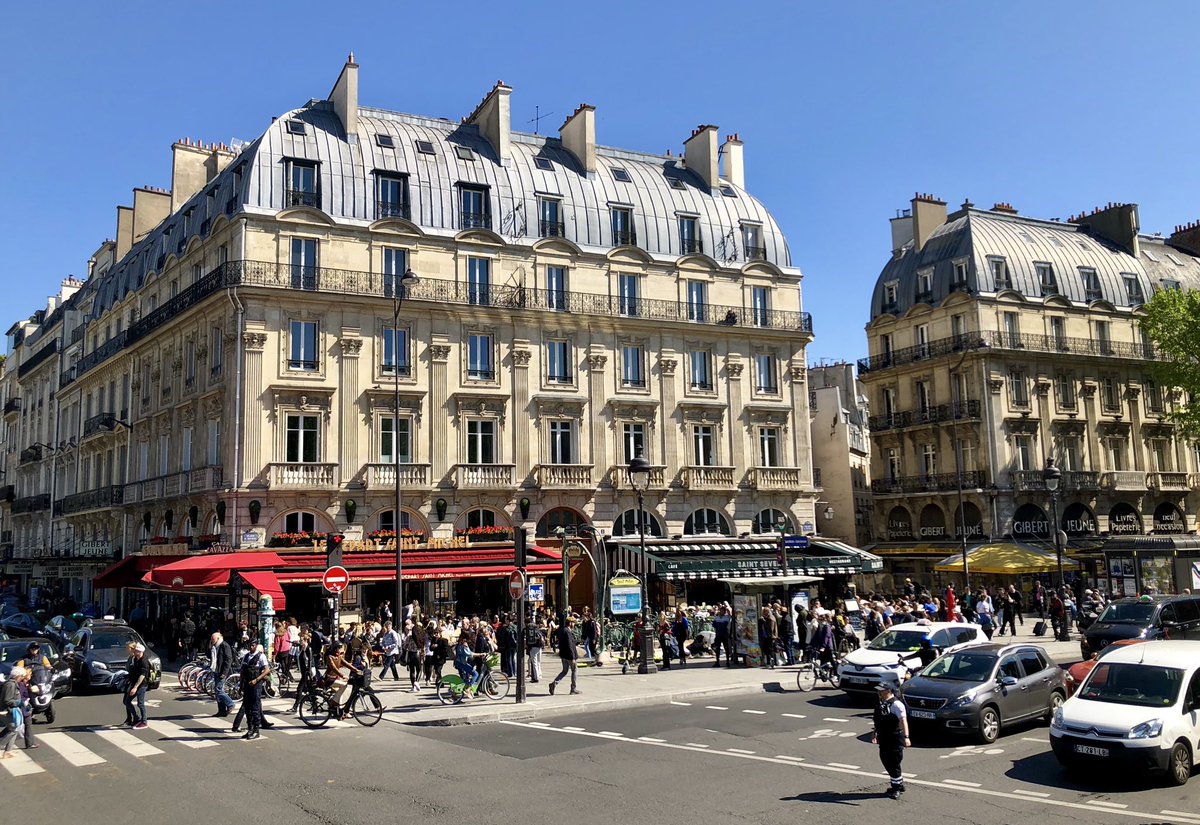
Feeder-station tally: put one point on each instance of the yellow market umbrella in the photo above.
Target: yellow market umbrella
(1005, 558)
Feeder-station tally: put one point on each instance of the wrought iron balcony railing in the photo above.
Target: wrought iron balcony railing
(958, 411)
(392, 209)
(551, 229)
(972, 479)
(475, 220)
(303, 197)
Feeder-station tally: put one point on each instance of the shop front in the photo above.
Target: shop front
(912, 553)
(1150, 565)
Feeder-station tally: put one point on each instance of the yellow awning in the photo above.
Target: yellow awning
(1006, 558)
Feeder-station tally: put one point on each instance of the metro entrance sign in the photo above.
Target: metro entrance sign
(335, 579)
(516, 584)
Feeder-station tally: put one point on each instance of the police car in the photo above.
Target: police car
(896, 652)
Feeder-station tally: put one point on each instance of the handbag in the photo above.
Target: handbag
(341, 691)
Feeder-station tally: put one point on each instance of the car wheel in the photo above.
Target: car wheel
(1056, 702)
(989, 725)
(1179, 770)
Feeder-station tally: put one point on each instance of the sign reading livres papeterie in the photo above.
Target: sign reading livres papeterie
(1123, 520)
(899, 525)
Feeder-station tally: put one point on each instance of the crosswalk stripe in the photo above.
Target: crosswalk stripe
(127, 742)
(70, 750)
(185, 737)
(215, 722)
(19, 764)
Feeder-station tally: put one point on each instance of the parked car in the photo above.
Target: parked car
(983, 688)
(99, 650)
(894, 653)
(24, 625)
(1138, 710)
(14, 650)
(1144, 617)
(1077, 672)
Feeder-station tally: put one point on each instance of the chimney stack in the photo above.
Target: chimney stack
(700, 154)
(1004, 208)
(344, 98)
(928, 213)
(124, 231)
(1186, 237)
(902, 230)
(1116, 223)
(189, 172)
(578, 136)
(151, 207)
(492, 118)
(734, 171)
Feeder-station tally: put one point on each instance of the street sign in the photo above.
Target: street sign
(537, 593)
(574, 550)
(335, 579)
(623, 601)
(808, 526)
(795, 542)
(516, 584)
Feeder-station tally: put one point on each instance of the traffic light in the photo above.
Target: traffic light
(333, 549)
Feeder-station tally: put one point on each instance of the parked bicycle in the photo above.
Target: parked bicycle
(489, 681)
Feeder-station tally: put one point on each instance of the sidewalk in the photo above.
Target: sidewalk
(606, 688)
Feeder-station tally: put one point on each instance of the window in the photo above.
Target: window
(558, 362)
(185, 449)
(464, 152)
(1160, 453)
(395, 264)
(424, 147)
(1110, 394)
(1114, 447)
(689, 236)
(885, 348)
(395, 434)
(213, 444)
(391, 196)
(1066, 391)
(1091, 284)
(1000, 274)
(1058, 332)
(768, 521)
(189, 362)
(300, 522)
(396, 351)
(960, 275)
(764, 373)
(889, 295)
(1072, 454)
(545, 164)
(302, 185)
(143, 460)
(965, 453)
(622, 226)
(632, 366)
(164, 454)
(303, 346)
(921, 340)
(216, 350)
(677, 183)
(706, 521)
(924, 285)
(302, 439)
(474, 208)
(1133, 289)
(924, 400)
(145, 384)
(561, 442)
(621, 175)
(556, 288)
(479, 357)
(1154, 396)
(385, 141)
(1049, 284)
(304, 263)
(1103, 339)
(633, 441)
(1170, 285)
(703, 445)
(481, 441)
(768, 447)
(1023, 452)
(550, 222)
(627, 524)
(893, 461)
(295, 127)
(697, 300)
(752, 242)
(728, 191)
(1012, 330)
(1018, 390)
(760, 305)
(479, 281)
(627, 286)
(387, 521)
(928, 461)
(700, 361)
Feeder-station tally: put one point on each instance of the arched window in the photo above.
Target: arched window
(301, 521)
(410, 523)
(213, 526)
(706, 522)
(627, 524)
(570, 520)
(767, 521)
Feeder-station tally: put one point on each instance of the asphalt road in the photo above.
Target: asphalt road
(769, 758)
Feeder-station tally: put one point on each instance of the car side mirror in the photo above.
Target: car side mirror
(1008, 681)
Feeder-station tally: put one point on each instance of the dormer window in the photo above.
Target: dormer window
(391, 196)
(621, 175)
(924, 285)
(1000, 274)
(296, 127)
(1133, 289)
(385, 141)
(476, 211)
(545, 164)
(424, 147)
(1046, 279)
(960, 275)
(302, 184)
(889, 295)
(1170, 285)
(464, 153)
(1091, 284)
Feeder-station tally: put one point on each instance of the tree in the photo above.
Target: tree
(1172, 322)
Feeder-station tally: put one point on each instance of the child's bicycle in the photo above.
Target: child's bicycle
(491, 682)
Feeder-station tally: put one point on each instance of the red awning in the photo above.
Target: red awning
(211, 570)
(416, 574)
(128, 571)
(266, 584)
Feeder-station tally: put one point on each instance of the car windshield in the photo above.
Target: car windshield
(962, 667)
(1127, 613)
(112, 641)
(14, 651)
(1133, 684)
(898, 641)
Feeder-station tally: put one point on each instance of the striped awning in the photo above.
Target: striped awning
(693, 560)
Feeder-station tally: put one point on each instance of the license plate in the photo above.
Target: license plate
(922, 714)
(1091, 750)
(854, 680)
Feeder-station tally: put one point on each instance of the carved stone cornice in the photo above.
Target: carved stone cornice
(776, 415)
(384, 400)
(702, 412)
(559, 406)
(469, 403)
(1117, 428)
(645, 412)
(304, 399)
(350, 346)
(1022, 426)
(254, 341)
(667, 365)
(1070, 427)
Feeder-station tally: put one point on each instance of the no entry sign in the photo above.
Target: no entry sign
(335, 579)
(516, 584)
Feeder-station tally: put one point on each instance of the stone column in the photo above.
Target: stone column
(521, 429)
(667, 362)
(349, 458)
(442, 448)
(598, 454)
(735, 425)
(801, 445)
(252, 407)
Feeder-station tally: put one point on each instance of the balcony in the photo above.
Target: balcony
(383, 476)
(551, 229)
(7, 493)
(31, 504)
(691, 246)
(391, 209)
(774, 478)
(30, 455)
(12, 406)
(618, 478)
(1127, 480)
(37, 359)
(99, 424)
(946, 482)
(708, 478)
(302, 197)
(1025, 481)
(1081, 480)
(301, 475)
(1170, 481)
(922, 352)
(563, 477)
(101, 499)
(206, 478)
(483, 476)
(475, 220)
(959, 411)
(756, 253)
(624, 237)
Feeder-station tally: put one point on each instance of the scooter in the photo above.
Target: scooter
(41, 693)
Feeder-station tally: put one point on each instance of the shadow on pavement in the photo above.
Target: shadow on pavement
(1043, 769)
(832, 798)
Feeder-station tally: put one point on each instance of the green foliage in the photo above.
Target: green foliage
(1172, 322)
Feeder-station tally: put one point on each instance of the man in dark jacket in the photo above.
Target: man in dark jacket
(723, 635)
(506, 640)
(222, 666)
(566, 652)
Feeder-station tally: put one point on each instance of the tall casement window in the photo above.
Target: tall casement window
(632, 366)
(768, 447)
(556, 288)
(689, 235)
(391, 197)
(760, 306)
(921, 340)
(562, 440)
(1012, 330)
(479, 357)
(622, 226)
(1001, 276)
(1058, 332)
(627, 289)
(475, 208)
(924, 400)
(703, 445)
(928, 460)
(1065, 390)
(302, 439)
(1133, 289)
(1114, 448)
(213, 442)
(481, 441)
(189, 363)
(395, 434)
(1110, 394)
(1023, 452)
(765, 378)
(1091, 284)
(558, 361)
(1104, 337)
(752, 242)
(479, 281)
(550, 221)
(216, 351)
(395, 351)
(185, 449)
(302, 346)
(302, 184)
(395, 264)
(304, 263)
(893, 463)
(301, 522)
(697, 301)
(1072, 453)
(1018, 389)
(633, 441)
(1046, 279)
(143, 460)
(700, 363)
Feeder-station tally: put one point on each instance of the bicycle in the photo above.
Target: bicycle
(317, 707)
(489, 681)
(811, 672)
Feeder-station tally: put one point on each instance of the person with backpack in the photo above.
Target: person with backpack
(589, 634)
(10, 710)
(414, 655)
(535, 640)
(187, 637)
(135, 692)
(681, 630)
(506, 641)
(222, 667)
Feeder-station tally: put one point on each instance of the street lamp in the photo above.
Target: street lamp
(409, 278)
(639, 479)
(1052, 475)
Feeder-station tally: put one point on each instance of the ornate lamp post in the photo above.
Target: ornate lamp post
(409, 278)
(1052, 475)
(639, 479)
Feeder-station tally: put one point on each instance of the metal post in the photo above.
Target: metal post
(398, 605)
(1058, 548)
(519, 551)
(647, 664)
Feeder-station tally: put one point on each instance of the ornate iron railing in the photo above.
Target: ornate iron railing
(972, 479)
(958, 411)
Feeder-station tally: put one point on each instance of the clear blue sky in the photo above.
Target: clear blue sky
(846, 108)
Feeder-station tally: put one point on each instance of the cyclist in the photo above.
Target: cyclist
(360, 676)
(464, 658)
(823, 642)
(335, 661)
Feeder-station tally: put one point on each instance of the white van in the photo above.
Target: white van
(1138, 709)
(896, 651)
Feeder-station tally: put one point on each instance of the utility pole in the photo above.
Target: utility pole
(519, 561)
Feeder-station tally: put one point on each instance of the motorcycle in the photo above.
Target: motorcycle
(41, 693)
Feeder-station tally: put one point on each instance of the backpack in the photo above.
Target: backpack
(187, 630)
(533, 637)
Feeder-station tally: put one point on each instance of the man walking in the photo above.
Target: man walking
(135, 693)
(535, 640)
(890, 733)
(255, 670)
(722, 630)
(389, 641)
(222, 666)
(566, 652)
(1018, 605)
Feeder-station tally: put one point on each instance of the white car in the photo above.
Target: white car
(1139, 709)
(896, 652)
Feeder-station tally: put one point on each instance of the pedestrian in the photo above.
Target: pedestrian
(1018, 604)
(255, 670)
(983, 613)
(221, 657)
(135, 690)
(389, 642)
(770, 632)
(566, 652)
(10, 710)
(414, 656)
(1037, 600)
(722, 635)
(589, 633)
(187, 637)
(1058, 618)
(385, 611)
(506, 641)
(890, 733)
(681, 630)
(306, 665)
(1009, 617)
(951, 603)
(535, 640)
(20, 675)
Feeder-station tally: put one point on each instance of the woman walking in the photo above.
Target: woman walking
(415, 648)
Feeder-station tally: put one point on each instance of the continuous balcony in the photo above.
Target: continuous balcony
(183, 483)
(296, 475)
(102, 499)
(618, 478)
(483, 476)
(1124, 480)
(708, 478)
(775, 478)
(100, 424)
(945, 482)
(31, 504)
(958, 411)
(1177, 482)
(563, 477)
(383, 476)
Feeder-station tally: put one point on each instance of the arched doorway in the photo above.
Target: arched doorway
(706, 522)
(933, 523)
(1078, 520)
(565, 517)
(1124, 520)
(899, 525)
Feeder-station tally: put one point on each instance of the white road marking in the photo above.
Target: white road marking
(683, 704)
(960, 783)
(756, 712)
(127, 742)
(1033, 739)
(1036, 794)
(610, 733)
(19, 764)
(738, 750)
(843, 765)
(714, 707)
(834, 719)
(1100, 803)
(794, 715)
(573, 729)
(790, 758)
(1187, 816)
(185, 737)
(649, 739)
(70, 750)
(696, 745)
(539, 724)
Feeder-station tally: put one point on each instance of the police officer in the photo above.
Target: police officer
(890, 732)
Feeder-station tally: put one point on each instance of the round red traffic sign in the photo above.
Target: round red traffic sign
(516, 584)
(335, 579)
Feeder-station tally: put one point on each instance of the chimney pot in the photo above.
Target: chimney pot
(350, 58)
